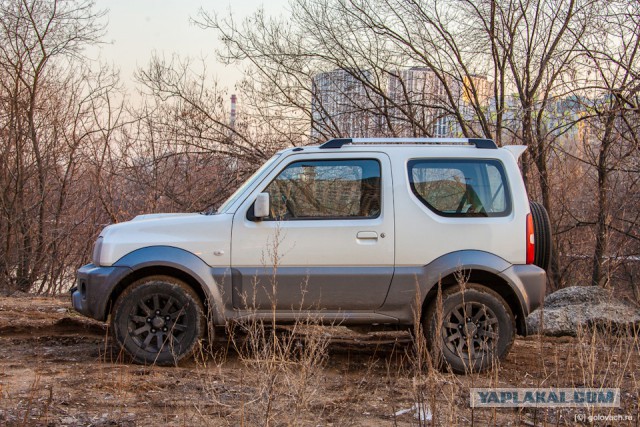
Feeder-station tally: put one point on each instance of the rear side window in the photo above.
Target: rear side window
(461, 188)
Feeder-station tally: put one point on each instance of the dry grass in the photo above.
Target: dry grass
(304, 374)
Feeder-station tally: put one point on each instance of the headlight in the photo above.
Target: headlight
(97, 251)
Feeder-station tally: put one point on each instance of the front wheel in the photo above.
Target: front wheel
(474, 328)
(158, 320)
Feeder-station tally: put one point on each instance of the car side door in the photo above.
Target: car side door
(328, 242)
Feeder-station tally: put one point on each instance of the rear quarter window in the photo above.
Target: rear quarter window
(461, 187)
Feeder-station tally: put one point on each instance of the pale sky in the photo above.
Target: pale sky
(137, 28)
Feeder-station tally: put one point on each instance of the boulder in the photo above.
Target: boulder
(570, 309)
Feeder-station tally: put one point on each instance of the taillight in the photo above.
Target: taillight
(531, 246)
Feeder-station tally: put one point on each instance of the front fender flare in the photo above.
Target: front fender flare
(209, 279)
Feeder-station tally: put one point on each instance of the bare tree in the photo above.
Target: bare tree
(188, 151)
(40, 96)
(560, 76)
(611, 94)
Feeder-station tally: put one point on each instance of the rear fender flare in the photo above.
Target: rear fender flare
(400, 301)
(476, 267)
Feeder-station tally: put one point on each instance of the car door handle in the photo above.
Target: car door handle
(370, 235)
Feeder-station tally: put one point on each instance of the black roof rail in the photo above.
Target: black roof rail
(478, 142)
(336, 143)
(483, 143)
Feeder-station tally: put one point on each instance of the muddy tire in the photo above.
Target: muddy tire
(542, 235)
(158, 320)
(476, 328)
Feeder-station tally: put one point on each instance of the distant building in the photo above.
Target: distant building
(479, 85)
(415, 103)
(343, 105)
(418, 98)
(563, 117)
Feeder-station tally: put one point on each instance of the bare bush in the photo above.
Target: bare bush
(47, 101)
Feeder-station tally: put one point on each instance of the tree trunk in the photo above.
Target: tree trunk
(600, 249)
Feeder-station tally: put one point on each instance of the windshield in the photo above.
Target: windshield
(257, 174)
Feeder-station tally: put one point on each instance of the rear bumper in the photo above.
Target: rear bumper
(94, 286)
(531, 283)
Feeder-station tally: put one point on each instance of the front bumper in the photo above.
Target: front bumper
(94, 287)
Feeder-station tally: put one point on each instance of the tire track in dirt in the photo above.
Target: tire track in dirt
(61, 327)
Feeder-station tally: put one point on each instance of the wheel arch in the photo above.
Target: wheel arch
(483, 268)
(419, 284)
(176, 263)
(157, 270)
(486, 278)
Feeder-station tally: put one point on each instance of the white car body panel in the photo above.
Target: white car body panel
(206, 236)
(434, 235)
(414, 235)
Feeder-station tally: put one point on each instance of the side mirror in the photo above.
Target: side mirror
(261, 206)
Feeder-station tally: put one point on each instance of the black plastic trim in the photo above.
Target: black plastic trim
(99, 282)
(336, 143)
(483, 143)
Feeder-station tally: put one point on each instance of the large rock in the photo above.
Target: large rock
(569, 309)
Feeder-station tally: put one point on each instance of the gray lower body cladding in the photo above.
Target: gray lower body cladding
(522, 286)
(96, 285)
(357, 295)
(93, 289)
(527, 282)
(311, 288)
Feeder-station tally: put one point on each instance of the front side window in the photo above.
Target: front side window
(461, 188)
(326, 189)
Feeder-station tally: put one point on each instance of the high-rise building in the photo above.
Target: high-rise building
(418, 97)
(343, 104)
(482, 88)
(416, 103)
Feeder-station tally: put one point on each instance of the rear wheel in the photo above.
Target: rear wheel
(158, 320)
(476, 328)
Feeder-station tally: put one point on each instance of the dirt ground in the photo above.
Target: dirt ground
(58, 368)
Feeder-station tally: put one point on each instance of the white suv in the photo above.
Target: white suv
(352, 232)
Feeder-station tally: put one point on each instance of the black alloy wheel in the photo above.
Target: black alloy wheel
(158, 320)
(475, 328)
(470, 329)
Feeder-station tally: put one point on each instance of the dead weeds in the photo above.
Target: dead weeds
(57, 369)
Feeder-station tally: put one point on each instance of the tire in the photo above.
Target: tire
(158, 320)
(469, 346)
(542, 236)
